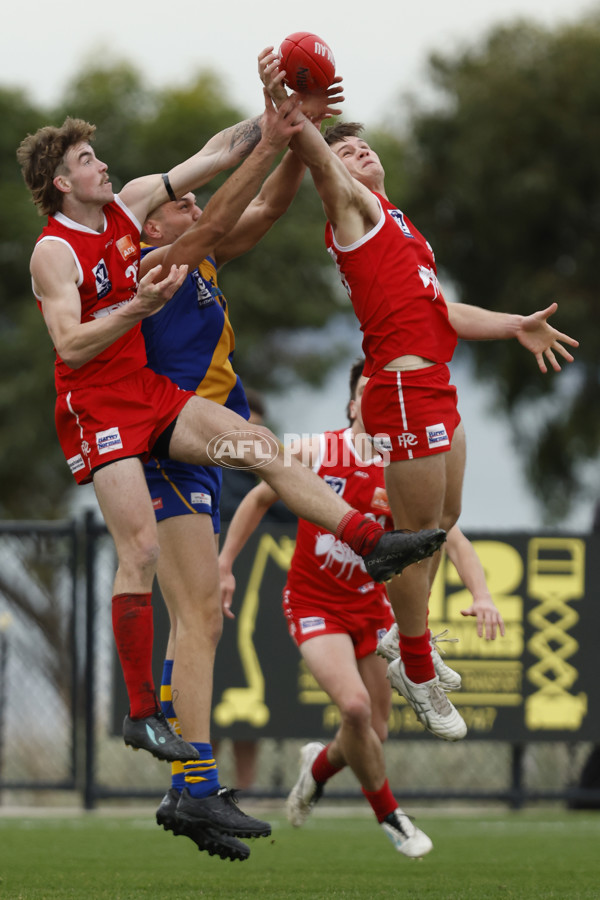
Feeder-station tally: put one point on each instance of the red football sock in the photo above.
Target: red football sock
(134, 632)
(359, 532)
(322, 770)
(416, 656)
(382, 801)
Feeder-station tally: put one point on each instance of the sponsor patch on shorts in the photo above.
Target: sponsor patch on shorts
(108, 440)
(199, 497)
(311, 623)
(76, 463)
(437, 436)
(157, 503)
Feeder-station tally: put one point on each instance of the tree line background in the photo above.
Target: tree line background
(501, 172)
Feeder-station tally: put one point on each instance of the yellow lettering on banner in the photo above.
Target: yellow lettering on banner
(247, 704)
(556, 578)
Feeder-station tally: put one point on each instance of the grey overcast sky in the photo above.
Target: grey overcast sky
(380, 45)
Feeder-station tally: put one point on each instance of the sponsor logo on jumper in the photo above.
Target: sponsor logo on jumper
(382, 443)
(201, 497)
(76, 463)
(108, 440)
(380, 499)
(437, 436)
(243, 449)
(126, 247)
(311, 623)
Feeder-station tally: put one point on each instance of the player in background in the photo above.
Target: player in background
(337, 615)
(191, 341)
(409, 336)
(112, 411)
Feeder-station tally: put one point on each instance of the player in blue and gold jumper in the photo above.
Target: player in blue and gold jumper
(192, 341)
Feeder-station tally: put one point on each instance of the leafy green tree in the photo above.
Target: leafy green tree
(503, 177)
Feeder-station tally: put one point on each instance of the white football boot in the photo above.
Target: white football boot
(306, 792)
(449, 679)
(405, 836)
(430, 703)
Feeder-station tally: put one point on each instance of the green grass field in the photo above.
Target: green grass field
(529, 855)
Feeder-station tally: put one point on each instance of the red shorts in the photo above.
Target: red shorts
(365, 623)
(410, 414)
(101, 424)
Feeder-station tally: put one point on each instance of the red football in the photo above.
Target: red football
(308, 62)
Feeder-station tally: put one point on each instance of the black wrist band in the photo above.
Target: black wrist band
(168, 187)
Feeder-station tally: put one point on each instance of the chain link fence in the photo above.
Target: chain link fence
(61, 698)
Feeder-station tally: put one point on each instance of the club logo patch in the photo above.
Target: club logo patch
(157, 503)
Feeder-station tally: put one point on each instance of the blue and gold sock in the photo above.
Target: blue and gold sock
(202, 775)
(168, 710)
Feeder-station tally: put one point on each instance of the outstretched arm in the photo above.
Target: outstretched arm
(225, 206)
(223, 151)
(245, 521)
(462, 553)
(473, 323)
(270, 204)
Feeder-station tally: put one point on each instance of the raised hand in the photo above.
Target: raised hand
(541, 339)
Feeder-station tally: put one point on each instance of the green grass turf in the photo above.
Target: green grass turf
(528, 854)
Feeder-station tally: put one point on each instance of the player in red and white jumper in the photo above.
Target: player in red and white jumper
(339, 618)
(409, 335)
(336, 615)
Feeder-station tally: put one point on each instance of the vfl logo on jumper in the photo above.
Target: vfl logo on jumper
(254, 449)
(437, 436)
(337, 556)
(108, 440)
(103, 283)
(126, 247)
(428, 277)
(398, 218)
(205, 295)
(338, 484)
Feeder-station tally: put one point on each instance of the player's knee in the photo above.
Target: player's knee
(381, 730)
(356, 712)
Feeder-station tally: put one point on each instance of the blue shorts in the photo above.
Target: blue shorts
(180, 489)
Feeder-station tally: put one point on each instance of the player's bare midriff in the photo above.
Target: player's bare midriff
(402, 363)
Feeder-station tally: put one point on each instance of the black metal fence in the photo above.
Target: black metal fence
(531, 700)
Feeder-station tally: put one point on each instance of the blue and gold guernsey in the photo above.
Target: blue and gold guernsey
(191, 341)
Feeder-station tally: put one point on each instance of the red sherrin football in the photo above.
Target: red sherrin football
(308, 62)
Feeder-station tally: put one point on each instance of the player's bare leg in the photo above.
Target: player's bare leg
(127, 509)
(425, 492)
(303, 492)
(188, 576)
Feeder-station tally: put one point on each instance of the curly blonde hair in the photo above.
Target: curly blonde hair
(42, 153)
